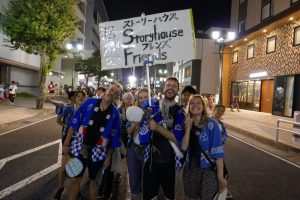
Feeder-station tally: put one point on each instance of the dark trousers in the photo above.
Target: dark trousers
(160, 174)
(12, 98)
(109, 188)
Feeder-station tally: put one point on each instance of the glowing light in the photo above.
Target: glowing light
(132, 79)
(69, 46)
(231, 35)
(258, 74)
(215, 34)
(220, 39)
(79, 47)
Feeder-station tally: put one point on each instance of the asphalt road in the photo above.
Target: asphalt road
(253, 174)
(40, 144)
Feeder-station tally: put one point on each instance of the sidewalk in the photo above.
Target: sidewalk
(257, 125)
(22, 109)
(261, 127)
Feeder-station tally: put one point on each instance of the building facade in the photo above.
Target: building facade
(262, 66)
(67, 62)
(203, 72)
(90, 13)
(23, 68)
(16, 65)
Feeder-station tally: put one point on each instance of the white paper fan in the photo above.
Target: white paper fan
(134, 114)
(222, 195)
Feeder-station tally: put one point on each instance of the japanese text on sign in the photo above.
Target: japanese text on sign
(165, 37)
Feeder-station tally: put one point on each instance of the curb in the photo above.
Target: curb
(41, 112)
(279, 145)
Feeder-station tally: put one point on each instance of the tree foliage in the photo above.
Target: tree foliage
(91, 66)
(40, 27)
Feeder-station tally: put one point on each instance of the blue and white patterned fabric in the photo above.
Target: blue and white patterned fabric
(147, 152)
(144, 132)
(59, 110)
(68, 111)
(210, 140)
(177, 129)
(223, 132)
(178, 162)
(110, 133)
(76, 144)
(98, 154)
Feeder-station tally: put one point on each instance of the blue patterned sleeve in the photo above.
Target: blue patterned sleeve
(179, 126)
(158, 117)
(128, 124)
(78, 116)
(217, 149)
(224, 133)
(59, 110)
(68, 112)
(116, 130)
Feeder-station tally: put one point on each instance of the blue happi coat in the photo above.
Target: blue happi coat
(210, 140)
(110, 134)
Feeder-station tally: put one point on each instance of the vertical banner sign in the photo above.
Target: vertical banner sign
(164, 37)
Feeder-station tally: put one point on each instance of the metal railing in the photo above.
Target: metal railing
(287, 130)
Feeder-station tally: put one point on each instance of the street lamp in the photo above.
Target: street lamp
(74, 48)
(132, 81)
(113, 76)
(222, 42)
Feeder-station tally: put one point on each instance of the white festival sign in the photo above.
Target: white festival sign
(164, 37)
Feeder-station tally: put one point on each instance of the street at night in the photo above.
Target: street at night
(149, 100)
(253, 174)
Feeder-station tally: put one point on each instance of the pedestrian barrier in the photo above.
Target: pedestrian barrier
(297, 133)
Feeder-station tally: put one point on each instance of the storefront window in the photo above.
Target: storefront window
(188, 72)
(250, 92)
(243, 92)
(289, 94)
(278, 100)
(257, 89)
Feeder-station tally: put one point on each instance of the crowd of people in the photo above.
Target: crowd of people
(171, 139)
(8, 92)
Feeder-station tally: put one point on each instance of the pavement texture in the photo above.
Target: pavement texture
(262, 127)
(23, 108)
(257, 125)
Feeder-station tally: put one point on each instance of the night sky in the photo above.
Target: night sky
(206, 13)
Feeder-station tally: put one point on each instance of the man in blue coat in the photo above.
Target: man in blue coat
(95, 132)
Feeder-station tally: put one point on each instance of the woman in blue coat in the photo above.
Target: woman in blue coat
(203, 174)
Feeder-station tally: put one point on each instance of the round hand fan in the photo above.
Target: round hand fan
(74, 167)
(134, 114)
(222, 195)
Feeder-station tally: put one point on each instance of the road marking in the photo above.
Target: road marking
(7, 191)
(26, 125)
(267, 152)
(26, 181)
(5, 160)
